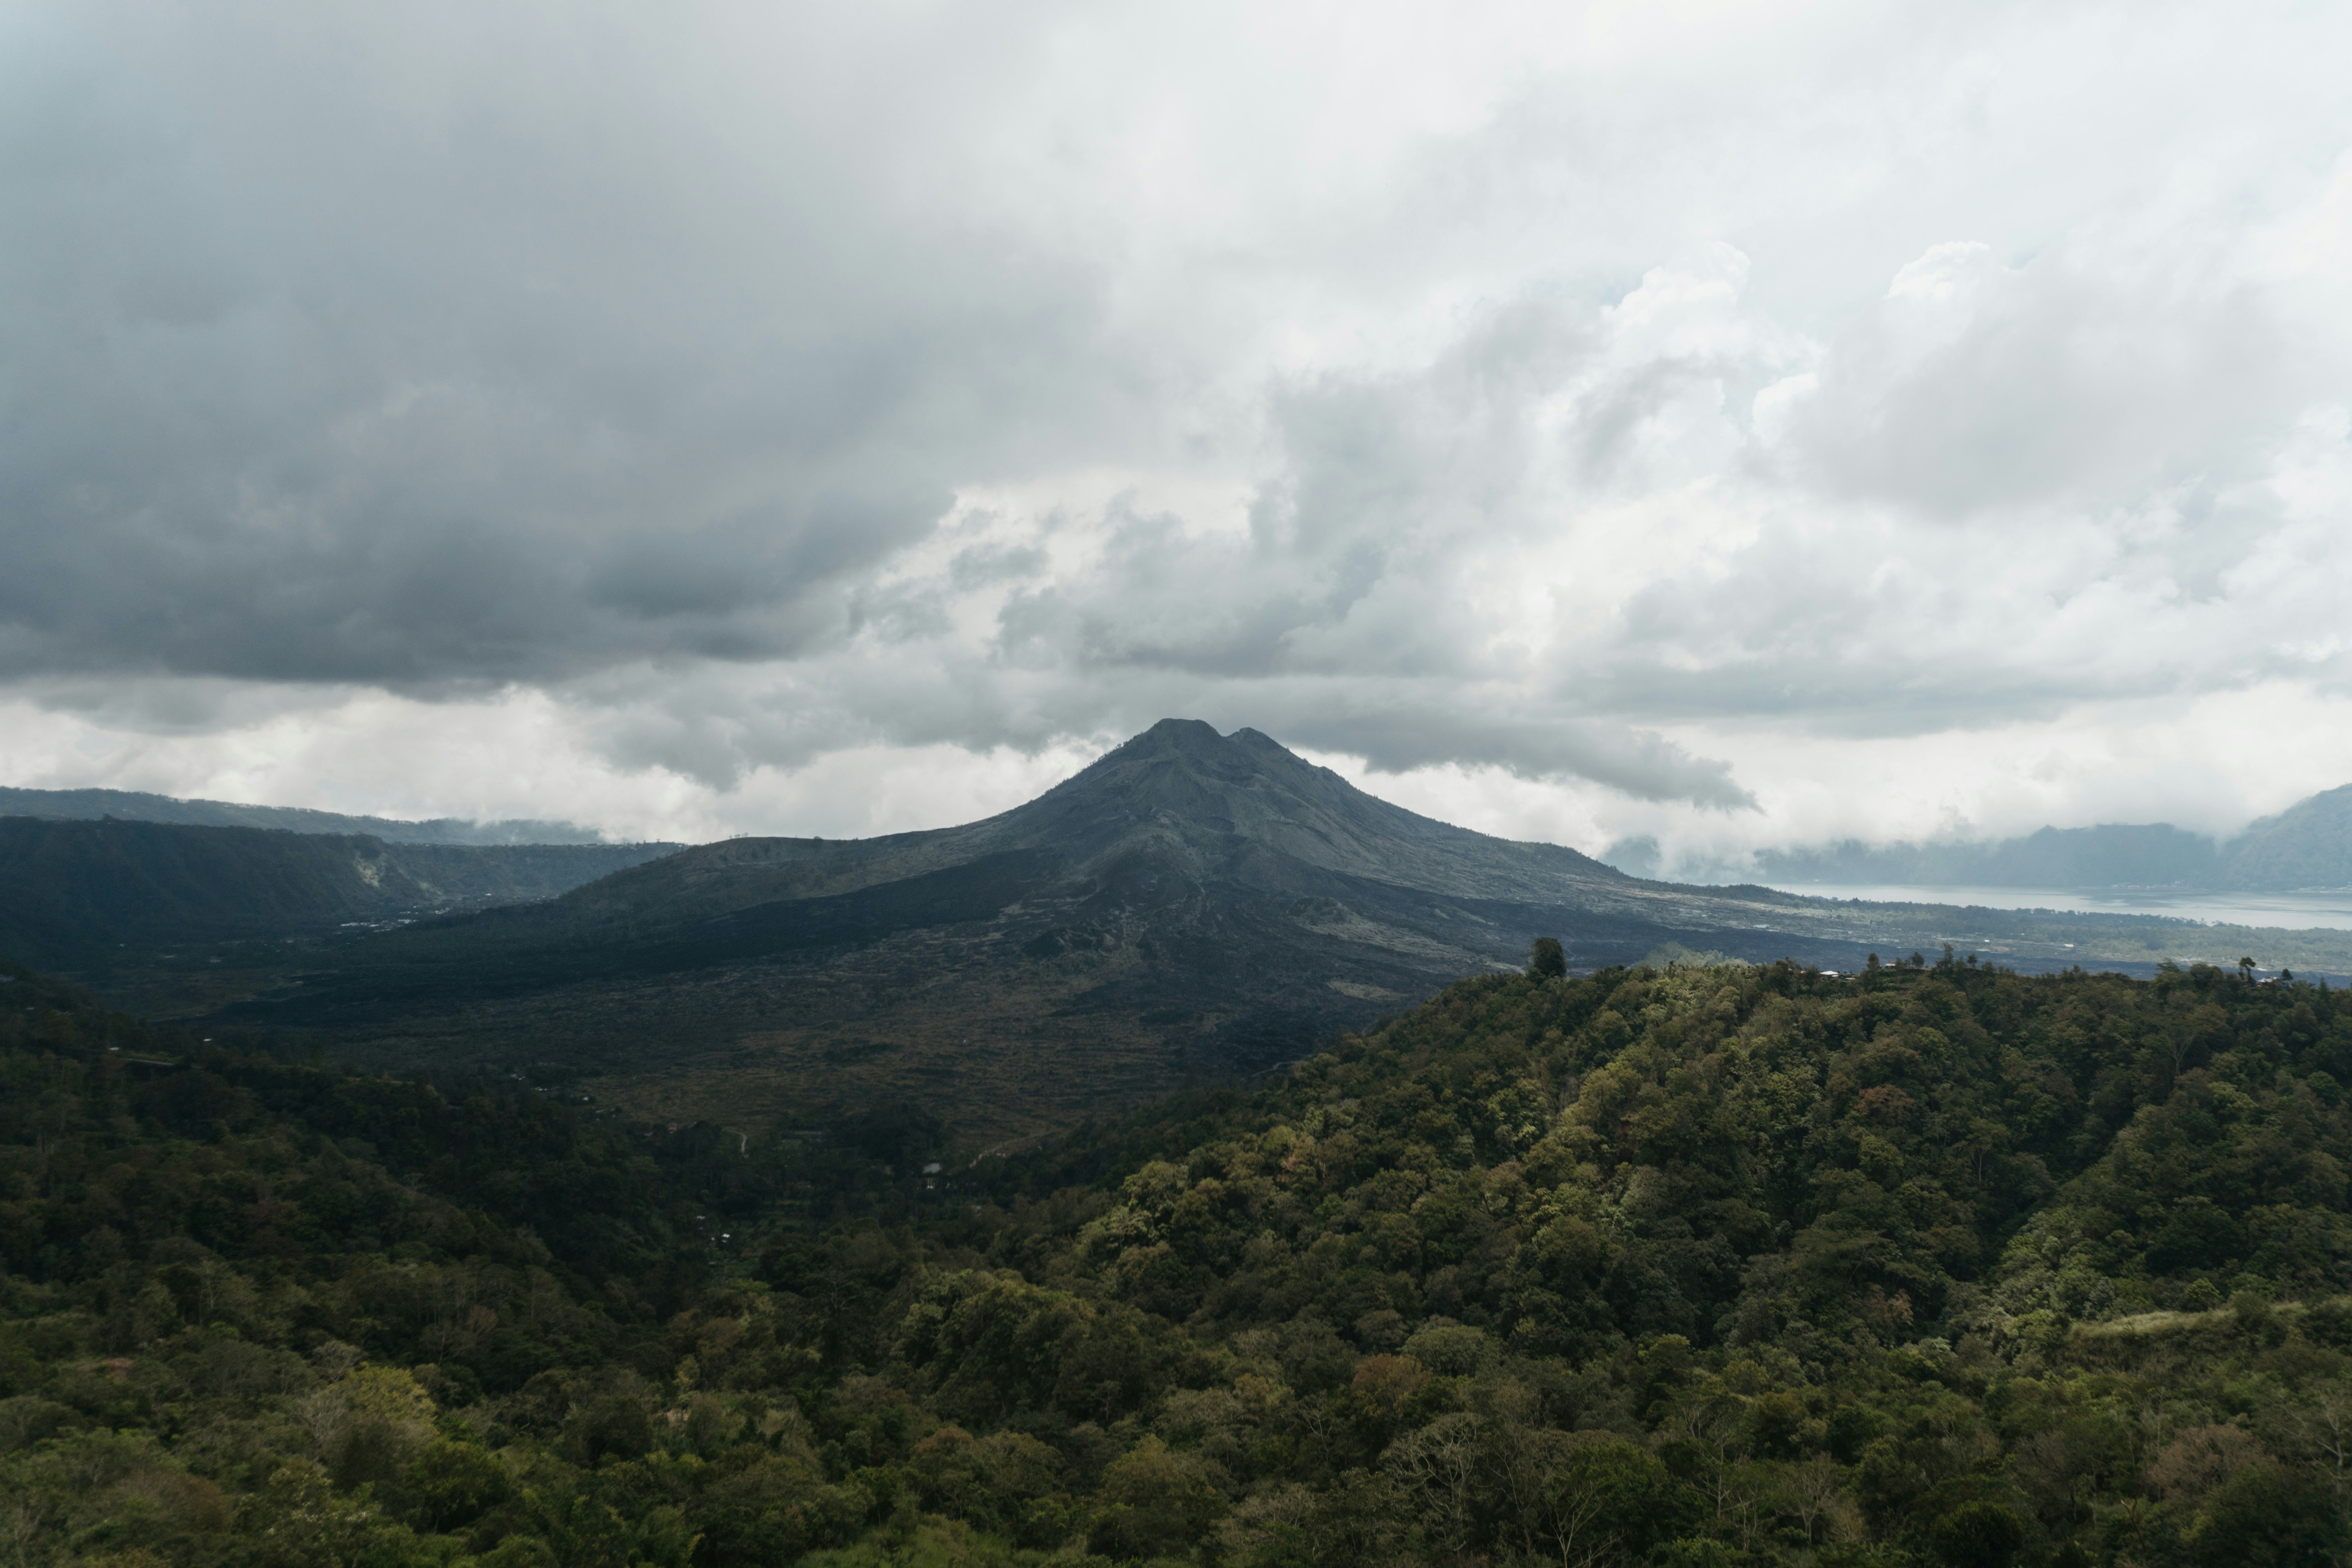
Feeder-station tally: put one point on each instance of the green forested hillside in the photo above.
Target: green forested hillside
(1706, 1266)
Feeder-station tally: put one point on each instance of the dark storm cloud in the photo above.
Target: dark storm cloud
(740, 386)
(325, 365)
(1642, 765)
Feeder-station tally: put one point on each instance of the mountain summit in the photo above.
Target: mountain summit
(1206, 788)
(1178, 802)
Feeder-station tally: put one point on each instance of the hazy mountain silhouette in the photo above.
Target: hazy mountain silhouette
(2307, 846)
(2112, 855)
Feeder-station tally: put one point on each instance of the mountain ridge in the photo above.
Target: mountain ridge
(135, 806)
(73, 892)
(2307, 847)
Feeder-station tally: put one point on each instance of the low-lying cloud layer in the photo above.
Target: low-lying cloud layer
(1728, 426)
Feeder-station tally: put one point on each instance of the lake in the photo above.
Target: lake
(2296, 912)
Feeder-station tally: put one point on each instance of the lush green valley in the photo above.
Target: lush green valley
(1939, 1265)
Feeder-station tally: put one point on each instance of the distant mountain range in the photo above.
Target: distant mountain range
(128, 805)
(2308, 845)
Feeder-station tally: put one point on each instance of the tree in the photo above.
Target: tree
(2266, 1517)
(1546, 961)
(1608, 1501)
(1156, 1503)
(1978, 1535)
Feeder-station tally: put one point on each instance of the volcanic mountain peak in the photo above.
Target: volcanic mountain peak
(1179, 788)
(1181, 774)
(1180, 771)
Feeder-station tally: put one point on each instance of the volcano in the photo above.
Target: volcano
(1179, 816)
(1192, 906)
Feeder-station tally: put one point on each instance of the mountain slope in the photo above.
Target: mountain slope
(72, 893)
(2309, 844)
(132, 805)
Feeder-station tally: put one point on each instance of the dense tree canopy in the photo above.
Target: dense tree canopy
(1701, 1265)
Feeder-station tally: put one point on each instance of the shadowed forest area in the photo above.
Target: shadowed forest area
(1937, 1265)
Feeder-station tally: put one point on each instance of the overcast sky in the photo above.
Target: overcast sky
(1743, 424)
